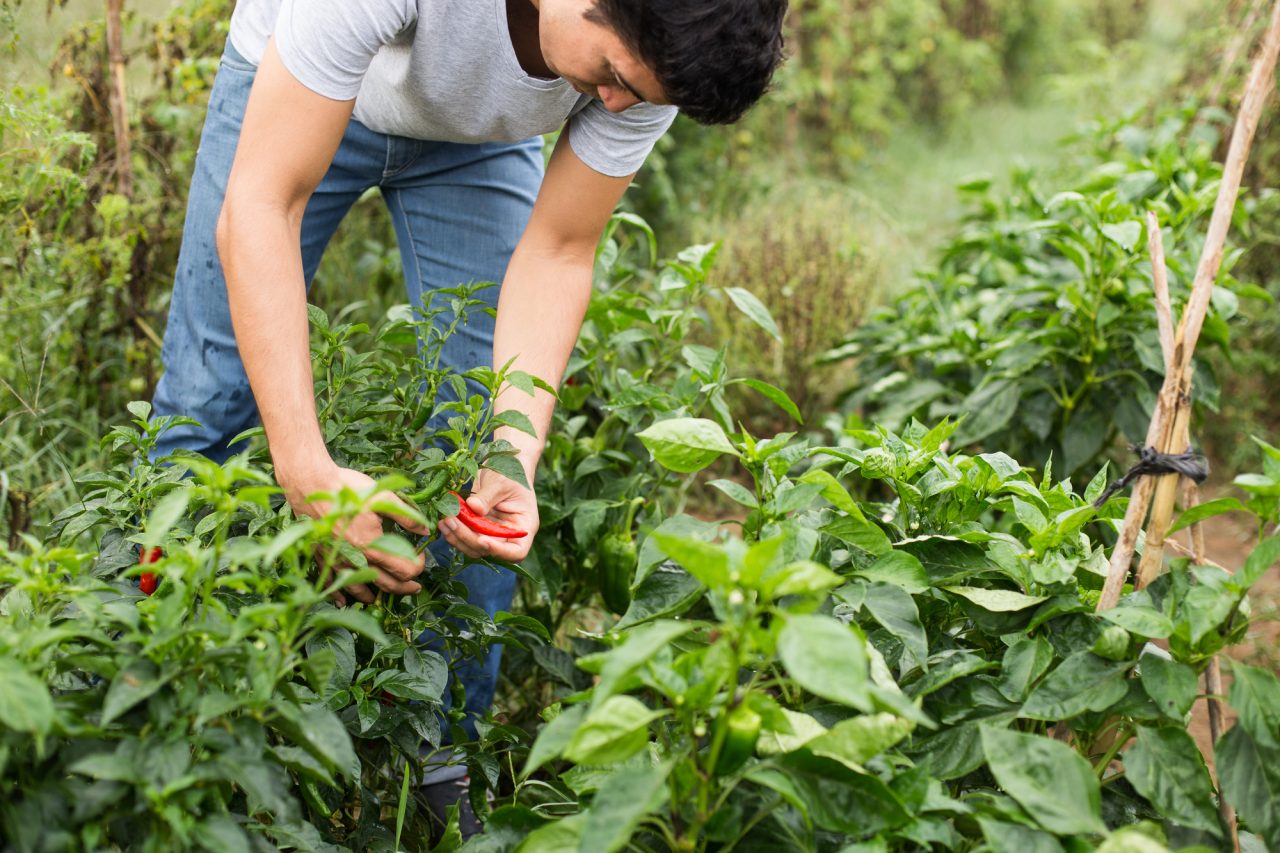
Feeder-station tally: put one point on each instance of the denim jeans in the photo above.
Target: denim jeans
(458, 211)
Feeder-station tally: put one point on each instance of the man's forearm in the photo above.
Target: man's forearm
(260, 255)
(544, 297)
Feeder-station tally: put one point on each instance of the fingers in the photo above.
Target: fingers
(477, 545)
(403, 520)
(365, 529)
(360, 592)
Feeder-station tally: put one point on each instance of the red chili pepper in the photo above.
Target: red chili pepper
(480, 524)
(148, 581)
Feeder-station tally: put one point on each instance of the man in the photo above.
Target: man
(440, 104)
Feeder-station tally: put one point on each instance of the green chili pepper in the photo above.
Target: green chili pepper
(314, 797)
(741, 731)
(617, 565)
(433, 486)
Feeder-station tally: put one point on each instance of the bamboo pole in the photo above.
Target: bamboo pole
(119, 107)
(1140, 498)
(1178, 384)
(1171, 419)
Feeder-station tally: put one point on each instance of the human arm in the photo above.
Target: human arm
(287, 141)
(544, 296)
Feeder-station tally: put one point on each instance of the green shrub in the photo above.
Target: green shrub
(1039, 323)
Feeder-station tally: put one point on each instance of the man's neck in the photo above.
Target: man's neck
(522, 23)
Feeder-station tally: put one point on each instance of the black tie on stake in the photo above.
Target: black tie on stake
(1190, 465)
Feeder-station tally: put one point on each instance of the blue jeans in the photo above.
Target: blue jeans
(458, 211)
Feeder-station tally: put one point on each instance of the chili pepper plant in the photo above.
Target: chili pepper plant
(226, 703)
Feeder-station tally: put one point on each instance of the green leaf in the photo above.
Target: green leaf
(639, 647)
(1141, 838)
(25, 704)
(736, 492)
(1166, 767)
(355, 621)
(508, 466)
(1208, 509)
(627, 795)
(773, 394)
(1097, 485)
(1171, 685)
(900, 569)
(787, 733)
(612, 732)
(394, 545)
(840, 799)
(1262, 558)
(1249, 774)
(554, 737)
(755, 310)
(707, 562)
(826, 658)
(1016, 838)
(1083, 682)
(857, 740)
(167, 513)
(1124, 234)
(997, 600)
(1255, 696)
(803, 577)
(319, 731)
(518, 420)
(1143, 621)
(896, 612)
(1024, 663)
(686, 445)
(860, 533)
(1049, 779)
(987, 410)
(948, 666)
(134, 682)
(555, 837)
(668, 590)
(835, 493)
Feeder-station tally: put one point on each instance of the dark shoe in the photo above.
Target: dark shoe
(442, 796)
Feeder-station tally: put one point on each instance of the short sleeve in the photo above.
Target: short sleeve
(616, 144)
(329, 44)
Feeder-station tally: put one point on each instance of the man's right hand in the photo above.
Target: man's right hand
(395, 574)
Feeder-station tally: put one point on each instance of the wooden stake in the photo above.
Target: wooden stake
(1173, 408)
(1212, 674)
(119, 107)
(1177, 386)
(1140, 497)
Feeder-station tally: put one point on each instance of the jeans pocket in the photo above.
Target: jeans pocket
(232, 59)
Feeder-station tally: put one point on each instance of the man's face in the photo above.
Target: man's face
(592, 58)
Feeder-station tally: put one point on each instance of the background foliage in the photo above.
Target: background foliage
(807, 578)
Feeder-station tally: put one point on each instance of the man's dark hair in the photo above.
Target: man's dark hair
(713, 59)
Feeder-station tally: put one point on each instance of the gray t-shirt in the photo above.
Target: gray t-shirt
(440, 69)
